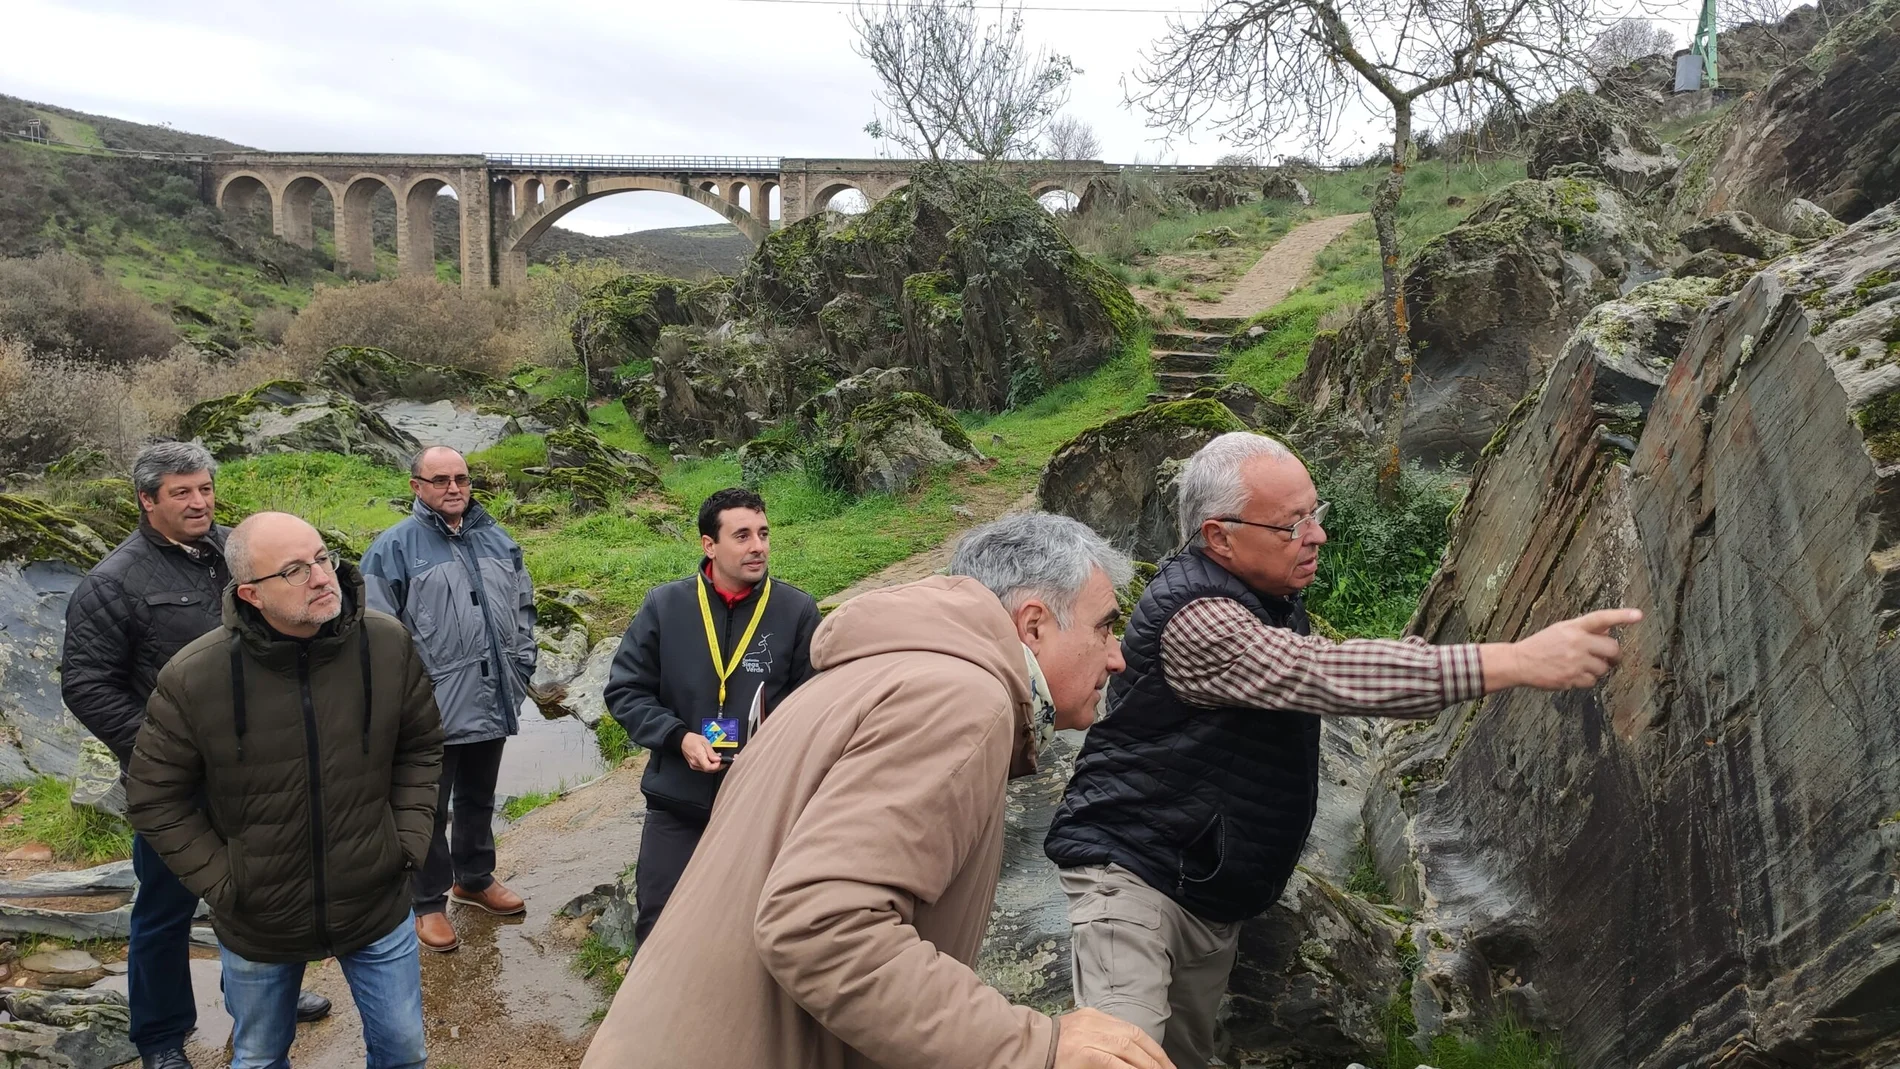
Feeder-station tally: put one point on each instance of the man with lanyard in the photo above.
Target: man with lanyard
(705, 660)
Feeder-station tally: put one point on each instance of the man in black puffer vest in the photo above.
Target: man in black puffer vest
(1192, 798)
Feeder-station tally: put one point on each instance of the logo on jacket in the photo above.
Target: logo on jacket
(758, 659)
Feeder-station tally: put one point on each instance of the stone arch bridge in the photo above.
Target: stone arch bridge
(506, 202)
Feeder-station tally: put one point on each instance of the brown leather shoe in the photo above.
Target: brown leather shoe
(434, 932)
(494, 899)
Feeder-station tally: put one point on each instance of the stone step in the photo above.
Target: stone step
(1190, 341)
(1215, 324)
(1165, 360)
(1182, 383)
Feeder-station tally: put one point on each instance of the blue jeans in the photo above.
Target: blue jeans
(385, 981)
(158, 960)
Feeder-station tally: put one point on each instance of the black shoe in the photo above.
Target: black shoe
(310, 1007)
(166, 1059)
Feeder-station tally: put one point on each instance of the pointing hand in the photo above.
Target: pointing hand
(1574, 653)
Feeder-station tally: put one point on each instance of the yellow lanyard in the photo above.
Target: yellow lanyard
(712, 637)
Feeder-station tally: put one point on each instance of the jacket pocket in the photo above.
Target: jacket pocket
(392, 841)
(232, 901)
(1202, 858)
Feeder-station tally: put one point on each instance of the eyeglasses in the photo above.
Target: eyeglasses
(443, 482)
(297, 573)
(1317, 518)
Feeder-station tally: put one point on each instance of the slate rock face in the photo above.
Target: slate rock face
(369, 374)
(1735, 233)
(1825, 128)
(88, 1028)
(596, 473)
(1119, 477)
(37, 736)
(1491, 303)
(1696, 862)
(620, 321)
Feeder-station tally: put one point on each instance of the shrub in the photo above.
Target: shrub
(55, 303)
(1380, 551)
(418, 319)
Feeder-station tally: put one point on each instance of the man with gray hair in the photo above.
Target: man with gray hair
(150, 597)
(1192, 799)
(830, 916)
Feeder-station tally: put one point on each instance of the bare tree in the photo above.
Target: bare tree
(1627, 40)
(955, 84)
(1767, 13)
(1069, 138)
(1259, 70)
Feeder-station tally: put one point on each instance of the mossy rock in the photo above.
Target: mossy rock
(31, 530)
(81, 463)
(1879, 423)
(285, 416)
(552, 613)
(369, 374)
(619, 322)
(1219, 237)
(769, 455)
(108, 506)
(596, 474)
(886, 446)
(1119, 477)
(559, 412)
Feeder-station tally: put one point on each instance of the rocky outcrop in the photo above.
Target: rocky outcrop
(710, 390)
(1490, 302)
(620, 321)
(369, 374)
(1825, 129)
(1695, 862)
(1808, 221)
(1582, 128)
(89, 1029)
(31, 529)
(964, 280)
(1734, 233)
(595, 473)
(1119, 477)
(463, 428)
(295, 417)
(886, 446)
(870, 385)
(37, 737)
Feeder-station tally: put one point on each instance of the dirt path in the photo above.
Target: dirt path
(1280, 269)
(509, 997)
(982, 509)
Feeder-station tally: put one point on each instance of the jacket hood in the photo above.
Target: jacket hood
(276, 652)
(476, 516)
(952, 615)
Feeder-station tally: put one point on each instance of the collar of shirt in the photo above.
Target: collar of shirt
(728, 598)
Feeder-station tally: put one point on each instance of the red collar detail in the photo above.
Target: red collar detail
(727, 596)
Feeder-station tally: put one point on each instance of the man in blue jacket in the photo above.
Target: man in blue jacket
(456, 581)
(704, 657)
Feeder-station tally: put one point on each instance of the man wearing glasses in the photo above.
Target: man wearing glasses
(286, 772)
(456, 581)
(1192, 798)
(157, 591)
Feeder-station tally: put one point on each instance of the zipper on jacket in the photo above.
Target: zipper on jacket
(314, 762)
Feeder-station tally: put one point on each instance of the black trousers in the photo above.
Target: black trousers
(464, 854)
(667, 843)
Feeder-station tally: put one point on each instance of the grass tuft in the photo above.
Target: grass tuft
(75, 833)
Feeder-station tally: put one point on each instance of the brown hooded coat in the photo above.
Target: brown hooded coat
(829, 917)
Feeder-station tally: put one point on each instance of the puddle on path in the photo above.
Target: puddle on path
(546, 755)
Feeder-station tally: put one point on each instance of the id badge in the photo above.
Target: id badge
(721, 732)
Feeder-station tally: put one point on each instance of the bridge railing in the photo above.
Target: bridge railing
(700, 164)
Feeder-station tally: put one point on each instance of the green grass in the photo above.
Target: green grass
(600, 962)
(1505, 1045)
(75, 833)
(348, 494)
(614, 743)
(522, 805)
(71, 131)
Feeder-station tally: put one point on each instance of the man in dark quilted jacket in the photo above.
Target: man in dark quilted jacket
(160, 589)
(287, 773)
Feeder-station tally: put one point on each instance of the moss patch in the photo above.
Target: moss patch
(1879, 422)
(33, 530)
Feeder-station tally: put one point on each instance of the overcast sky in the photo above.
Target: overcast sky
(701, 77)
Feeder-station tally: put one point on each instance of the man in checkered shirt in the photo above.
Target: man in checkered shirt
(1192, 798)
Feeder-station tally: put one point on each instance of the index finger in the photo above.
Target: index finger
(1602, 620)
(1156, 1058)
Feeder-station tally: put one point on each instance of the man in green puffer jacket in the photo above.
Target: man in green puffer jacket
(286, 772)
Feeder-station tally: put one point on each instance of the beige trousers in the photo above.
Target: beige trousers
(1140, 957)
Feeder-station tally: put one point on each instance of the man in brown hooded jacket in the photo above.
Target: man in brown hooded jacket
(829, 917)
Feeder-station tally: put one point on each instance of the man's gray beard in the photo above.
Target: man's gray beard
(310, 617)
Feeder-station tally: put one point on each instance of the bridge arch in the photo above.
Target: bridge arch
(237, 193)
(297, 208)
(534, 220)
(415, 218)
(830, 192)
(355, 244)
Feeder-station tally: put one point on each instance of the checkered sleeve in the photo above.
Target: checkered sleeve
(1216, 653)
